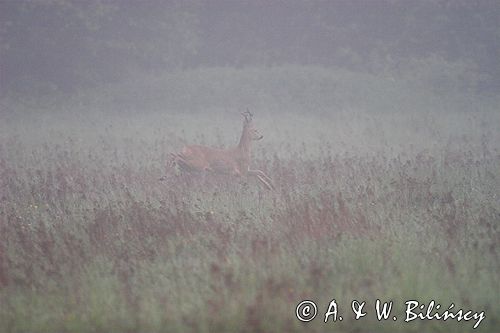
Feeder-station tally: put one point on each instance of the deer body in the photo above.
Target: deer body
(234, 161)
(201, 158)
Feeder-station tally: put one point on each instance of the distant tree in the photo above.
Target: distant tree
(50, 45)
(63, 44)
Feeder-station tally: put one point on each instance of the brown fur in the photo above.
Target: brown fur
(234, 161)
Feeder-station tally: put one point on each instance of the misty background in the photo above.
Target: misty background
(381, 136)
(193, 55)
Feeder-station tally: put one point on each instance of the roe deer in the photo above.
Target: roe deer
(233, 161)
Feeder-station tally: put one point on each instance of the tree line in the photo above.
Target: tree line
(64, 45)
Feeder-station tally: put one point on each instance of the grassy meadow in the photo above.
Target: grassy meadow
(384, 190)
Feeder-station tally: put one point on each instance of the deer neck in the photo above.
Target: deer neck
(245, 140)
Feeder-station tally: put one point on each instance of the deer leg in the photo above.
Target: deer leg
(263, 178)
(183, 164)
(169, 165)
(267, 184)
(261, 174)
(173, 163)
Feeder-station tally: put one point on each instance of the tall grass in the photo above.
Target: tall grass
(367, 206)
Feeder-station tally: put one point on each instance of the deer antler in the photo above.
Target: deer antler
(248, 115)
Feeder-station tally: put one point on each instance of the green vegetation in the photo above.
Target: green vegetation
(381, 129)
(395, 203)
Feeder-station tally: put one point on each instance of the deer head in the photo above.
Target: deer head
(253, 134)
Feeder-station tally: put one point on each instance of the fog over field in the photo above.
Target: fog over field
(206, 166)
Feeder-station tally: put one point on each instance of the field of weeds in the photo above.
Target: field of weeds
(388, 206)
